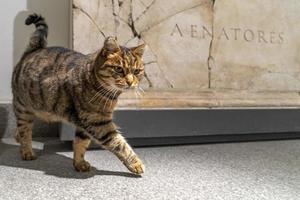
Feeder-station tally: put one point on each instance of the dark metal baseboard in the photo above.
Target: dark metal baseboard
(140, 142)
(201, 122)
(165, 127)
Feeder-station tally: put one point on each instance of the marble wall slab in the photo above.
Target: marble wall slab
(202, 53)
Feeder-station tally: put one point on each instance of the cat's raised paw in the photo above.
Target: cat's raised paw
(136, 167)
(82, 166)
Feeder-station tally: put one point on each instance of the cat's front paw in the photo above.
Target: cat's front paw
(136, 166)
(82, 166)
(28, 155)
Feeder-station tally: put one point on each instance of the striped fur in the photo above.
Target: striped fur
(58, 84)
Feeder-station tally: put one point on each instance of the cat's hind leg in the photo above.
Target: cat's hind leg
(80, 145)
(23, 135)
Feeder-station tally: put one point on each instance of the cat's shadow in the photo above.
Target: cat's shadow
(51, 163)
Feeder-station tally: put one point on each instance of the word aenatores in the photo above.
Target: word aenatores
(239, 34)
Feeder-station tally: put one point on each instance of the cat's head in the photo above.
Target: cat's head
(119, 67)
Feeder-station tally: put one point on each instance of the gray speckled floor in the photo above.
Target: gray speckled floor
(257, 170)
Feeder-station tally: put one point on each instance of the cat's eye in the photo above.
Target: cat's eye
(136, 71)
(119, 69)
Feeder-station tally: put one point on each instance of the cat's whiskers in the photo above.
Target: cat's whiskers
(136, 97)
(116, 91)
(138, 94)
(142, 90)
(95, 96)
(108, 98)
(104, 95)
(105, 105)
(98, 93)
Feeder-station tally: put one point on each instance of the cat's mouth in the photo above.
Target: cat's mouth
(125, 87)
(129, 89)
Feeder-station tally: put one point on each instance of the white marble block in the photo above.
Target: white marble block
(202, 53)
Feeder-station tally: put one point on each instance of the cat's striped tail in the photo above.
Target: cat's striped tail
(39, 37)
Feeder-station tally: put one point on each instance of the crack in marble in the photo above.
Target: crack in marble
(145, 11)
(210, 59)
(89, 16)
(148, 79)
(170, 85)
(120, 3)
(131, 23)
(118, 16)
(142, 3)
(150, 62)
(146, 75)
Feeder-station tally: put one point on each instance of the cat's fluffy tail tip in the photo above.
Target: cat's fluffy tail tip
(33, 19)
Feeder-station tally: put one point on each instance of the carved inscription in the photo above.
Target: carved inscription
(232, 33)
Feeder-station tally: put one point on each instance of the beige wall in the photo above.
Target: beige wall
(14, 34)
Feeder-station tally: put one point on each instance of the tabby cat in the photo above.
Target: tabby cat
(58, 84)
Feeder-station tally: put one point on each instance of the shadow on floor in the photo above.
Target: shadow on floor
(51, 163)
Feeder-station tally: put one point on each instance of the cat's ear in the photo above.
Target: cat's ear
(110, 46)
(138, 50)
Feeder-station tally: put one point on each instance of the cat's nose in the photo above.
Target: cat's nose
(129, 83)
(129, 79)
